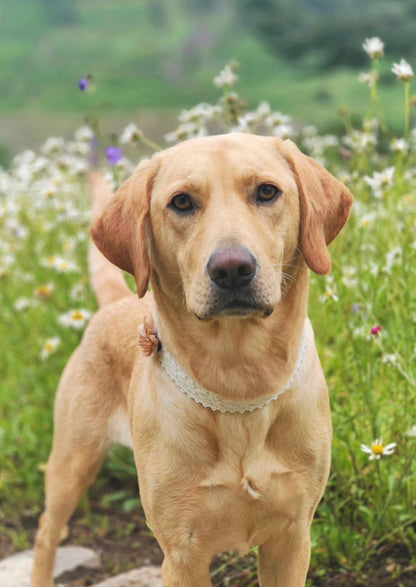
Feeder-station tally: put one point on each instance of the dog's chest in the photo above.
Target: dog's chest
(249, 468)
(229, 481)
(248, 491)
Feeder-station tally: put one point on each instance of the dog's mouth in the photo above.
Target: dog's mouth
(241, 308)
(237, 307)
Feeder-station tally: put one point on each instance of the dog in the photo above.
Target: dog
(229, 417)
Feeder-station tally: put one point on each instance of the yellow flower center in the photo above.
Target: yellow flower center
(377, 449)
(43, 291)
(77, 315)
(49, 346)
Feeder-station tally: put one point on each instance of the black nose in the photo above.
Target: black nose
(231, 267)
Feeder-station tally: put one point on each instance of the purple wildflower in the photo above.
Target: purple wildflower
(113, 154)
(83, 84)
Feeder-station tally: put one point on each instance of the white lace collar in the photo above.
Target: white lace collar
(214, 401)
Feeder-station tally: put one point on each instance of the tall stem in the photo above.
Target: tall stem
(374, 96)
(149, 143)
(406, 109)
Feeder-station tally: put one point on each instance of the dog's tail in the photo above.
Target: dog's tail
(107, 280)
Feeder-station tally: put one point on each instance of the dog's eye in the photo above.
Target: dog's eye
(267, 192)
(182, 203)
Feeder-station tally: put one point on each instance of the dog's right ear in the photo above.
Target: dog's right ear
(120, 233)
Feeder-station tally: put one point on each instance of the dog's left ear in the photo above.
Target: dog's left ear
(325, 205)
(120, 233)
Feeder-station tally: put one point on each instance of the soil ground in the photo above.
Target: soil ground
(124, 541)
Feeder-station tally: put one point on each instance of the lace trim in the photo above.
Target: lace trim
(214, 401)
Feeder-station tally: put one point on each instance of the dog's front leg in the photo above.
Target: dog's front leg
(186, 569)
(283, 561)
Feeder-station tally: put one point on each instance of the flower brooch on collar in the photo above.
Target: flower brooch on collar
(148, 340)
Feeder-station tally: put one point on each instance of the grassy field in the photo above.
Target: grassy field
(364, 317)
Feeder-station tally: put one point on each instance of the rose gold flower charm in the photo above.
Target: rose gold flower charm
(148, 340)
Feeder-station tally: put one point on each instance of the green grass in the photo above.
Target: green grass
(369, 503)
(28, 383)
(372, 377)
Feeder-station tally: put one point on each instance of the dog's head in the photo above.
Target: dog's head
(222, 223)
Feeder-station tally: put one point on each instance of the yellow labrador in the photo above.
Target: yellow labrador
(229, 421)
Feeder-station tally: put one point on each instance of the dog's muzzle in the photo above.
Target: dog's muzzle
(232, 271)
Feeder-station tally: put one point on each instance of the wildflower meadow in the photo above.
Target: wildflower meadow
(363, 313)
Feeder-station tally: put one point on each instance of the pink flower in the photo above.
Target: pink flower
(376, 330)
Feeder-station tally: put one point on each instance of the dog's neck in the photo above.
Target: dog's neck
(236, 357)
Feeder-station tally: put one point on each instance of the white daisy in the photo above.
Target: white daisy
(226, 77)
(369, 78)
(349, 278)
(53, 146)
(403, 70)
(374, 47)
(84, 134)
(78, 292)
(75, 318)
(131, 134)
(391, 359)
(380, 180)
(412, 431)
(44, 291)
(378, 450)
(399, 145)
(22, 304)
(201, 113)
(64, 266)
(50, 346)
(330, 291)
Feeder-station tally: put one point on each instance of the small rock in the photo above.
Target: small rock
(71, 557)
(143, 577)
(16, 570)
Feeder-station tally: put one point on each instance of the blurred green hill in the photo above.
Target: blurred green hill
(329, 33)
(147, 55)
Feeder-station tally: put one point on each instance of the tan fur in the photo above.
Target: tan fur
(209, 481)
(107, 281)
